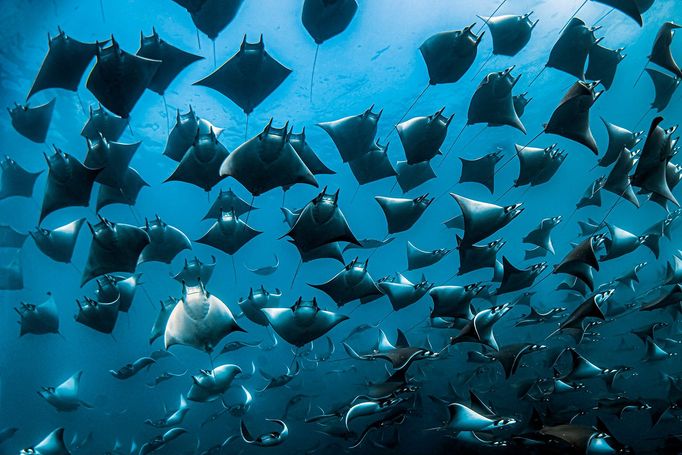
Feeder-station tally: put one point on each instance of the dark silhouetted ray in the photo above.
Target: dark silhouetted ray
(99, 316)
(664, 88)
(183, 134)
(115, 247)
(571, 119)
(493, 103)
(307, 154)
(258, 300)
(15, 180)
(482, 219)
(100, 121)
(618, 138)
(111, 287)
(401, 214)
(352, 283)
(536, 165)
(165, 242)
(618, 180)
(126, 194)
(112, 158)
(651, 172)
(200, 166)
(194, 271)
(173, 60)
(303, 322)
(229, 233)
(324, 19)
(410, 176)
(481, 170)
(448, 55)
(119, 78)
(373, 165)
(661, 54)
(267, 161)
(69, 183)
(38, 319)
(603, 64)
(58, 244)
(354, 135)
(249, 77)
(228, 201)
(510, 33)
(211, 16)
(422, 136)
(319, 223)
(571, 50)
(32, 122)
(515, 279)
(417, 258)
(64, 63)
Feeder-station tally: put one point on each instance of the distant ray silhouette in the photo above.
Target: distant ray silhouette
(112, 158)
(354, 135)
(571, 50)
(109, 125)
(115, 247)
(248, 77)
(448, 55)
(510, 33)
(410, 176)
(661, 54)
(571, 119)
(228, 201)
(229, 234)
(184, 133)
(476, 257)
(592, 194)
(119, 78)
(64, 64)
(9, 238)
(481, 170)
(267, 161)
(373, 165)
(493, 103)
(603, 63)
(69, 183)
(12, 274)
(664, 88)
(165, 241)
(515, 279)
(58, 244)
(15, 181)
(618, 138)
(173, 60)
(200, 166)
(32, 122)
(126, 194)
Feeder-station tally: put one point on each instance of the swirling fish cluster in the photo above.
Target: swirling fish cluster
(557, 400)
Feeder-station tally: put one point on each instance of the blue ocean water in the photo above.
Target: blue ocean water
(375, 61)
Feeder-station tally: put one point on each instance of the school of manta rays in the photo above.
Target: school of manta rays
(446, 381)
